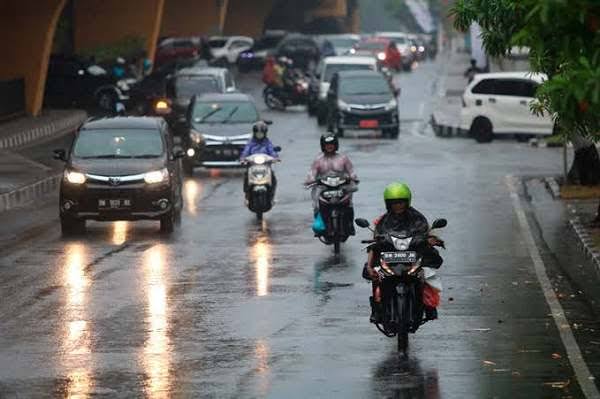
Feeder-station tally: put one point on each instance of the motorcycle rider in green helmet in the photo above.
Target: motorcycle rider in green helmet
(400, 216)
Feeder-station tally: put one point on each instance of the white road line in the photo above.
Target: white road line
(584, 377)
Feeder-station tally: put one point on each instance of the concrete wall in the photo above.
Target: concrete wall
(27, 28)
(247, 17)
(101, 22)
(193, 17)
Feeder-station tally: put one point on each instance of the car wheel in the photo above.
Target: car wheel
(482, 130)
(167, 222)
(188, 168)
(321, 117)
(70, 226)
(107, 101)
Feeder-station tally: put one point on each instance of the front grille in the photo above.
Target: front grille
(354, 118)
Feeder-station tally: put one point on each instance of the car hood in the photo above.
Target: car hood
(367, 99)
(231, 130)
(117, 167)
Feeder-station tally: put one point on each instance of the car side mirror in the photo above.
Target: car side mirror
(277, 148)
(439, 223)
(60, 155)
(364, 223)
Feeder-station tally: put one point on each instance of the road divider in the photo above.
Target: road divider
(27, 194)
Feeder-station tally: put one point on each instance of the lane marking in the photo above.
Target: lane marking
(584, 377)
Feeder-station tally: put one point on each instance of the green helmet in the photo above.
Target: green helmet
(397, 191)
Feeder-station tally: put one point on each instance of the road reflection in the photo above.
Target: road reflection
(76, 342)
(405, 379)
(192, 191)
(120, 230)
(262, 353)
(156, 356)
(260, 252)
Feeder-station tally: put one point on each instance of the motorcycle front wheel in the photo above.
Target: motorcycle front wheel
(271, 100)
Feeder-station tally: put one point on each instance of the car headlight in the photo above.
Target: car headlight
(393, 104)
(352, 51)
(74, 177)
(343, 106)
(196, 137)
(381, 56)
(157, 176)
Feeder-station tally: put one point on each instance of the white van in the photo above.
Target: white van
(499, 103)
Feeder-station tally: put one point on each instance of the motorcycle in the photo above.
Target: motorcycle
(280, 98)
(260, 189)
(403, 270)
(334, 206)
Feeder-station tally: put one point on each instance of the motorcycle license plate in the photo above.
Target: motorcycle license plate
(333, 193)
(369, 123)
(399, 257)
(114, 203)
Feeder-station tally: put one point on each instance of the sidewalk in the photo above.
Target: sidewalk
(22, 180)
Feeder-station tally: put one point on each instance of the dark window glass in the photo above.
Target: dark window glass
(365, 86)
(118, 143)
(486, 86)
(224, 112)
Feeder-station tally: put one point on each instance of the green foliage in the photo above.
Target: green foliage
(564, 41)
(127, 48)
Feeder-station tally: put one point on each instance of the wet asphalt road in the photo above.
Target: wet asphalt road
(230, 307)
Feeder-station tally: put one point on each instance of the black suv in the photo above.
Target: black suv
(74, 81)
(362, 100)
(302, 50)
(121, 169)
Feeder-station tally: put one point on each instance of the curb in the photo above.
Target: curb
(553, 186)
(26, 194)
(442, 130)
(585, 242)
(57, 127)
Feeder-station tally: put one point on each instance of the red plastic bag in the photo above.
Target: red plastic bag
(431, 296)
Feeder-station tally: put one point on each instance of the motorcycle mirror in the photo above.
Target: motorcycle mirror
(277, 148)
(364, 223)
(439, 223)
(268, 121)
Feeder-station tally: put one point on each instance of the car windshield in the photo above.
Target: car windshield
(331, 69)
(364, 86)
(118, 143)
(188, 86)
(371, 46)
(342, 42)
(224, 112)
(217, 43)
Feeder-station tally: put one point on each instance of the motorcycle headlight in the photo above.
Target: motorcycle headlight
(304, 85)
(74, 177)
(196, 137)
(343, 106)
(259, 160)
(393, 104)
(157, 176)
(121, 84)
(402, 244)
(381, 56)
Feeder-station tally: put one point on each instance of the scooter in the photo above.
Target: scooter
(404, 267)
(335, 192)
(261, 183)
(280, 98)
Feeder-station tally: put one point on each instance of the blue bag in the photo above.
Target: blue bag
(319, 224)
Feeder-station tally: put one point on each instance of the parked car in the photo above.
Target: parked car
(383, 49)
(362, 100)
(219, 126)
(302, 50)
(177, 48)
(226, 49)
(499, 103)
(317, 100)
(73, 81)
(121, 169)
(255, 57)
(343, 43)
(404, 47)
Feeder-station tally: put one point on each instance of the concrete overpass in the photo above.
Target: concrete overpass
(28, 27)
